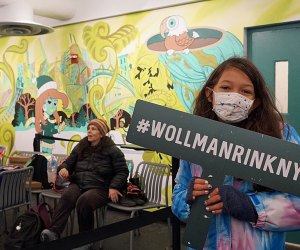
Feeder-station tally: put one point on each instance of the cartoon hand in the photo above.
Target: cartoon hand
(61, 127)
(119, 114)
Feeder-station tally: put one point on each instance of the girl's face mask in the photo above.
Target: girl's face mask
(231, 107)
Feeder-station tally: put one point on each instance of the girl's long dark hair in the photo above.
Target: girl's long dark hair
(264, 119)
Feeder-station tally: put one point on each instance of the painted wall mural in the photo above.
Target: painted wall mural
(56, 83)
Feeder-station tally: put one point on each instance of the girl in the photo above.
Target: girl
(246, 215)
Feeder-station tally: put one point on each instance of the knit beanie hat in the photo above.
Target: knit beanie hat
(44, 83)
(101, 125)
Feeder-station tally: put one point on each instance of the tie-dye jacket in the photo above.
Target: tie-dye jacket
(277, 212)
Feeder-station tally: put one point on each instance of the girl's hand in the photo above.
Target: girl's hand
(114, 194)
(64, 173)
(197, 187)
(214, 202)
(201, 187)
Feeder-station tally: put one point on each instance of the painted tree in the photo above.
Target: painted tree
(20, 117)
(27, 103)
(81, 120)
(87, 111)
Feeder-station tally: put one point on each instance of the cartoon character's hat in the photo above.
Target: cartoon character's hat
(44, 83)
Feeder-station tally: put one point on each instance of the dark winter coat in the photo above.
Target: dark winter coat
(101, 166)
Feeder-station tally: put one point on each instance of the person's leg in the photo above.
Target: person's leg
(61, 213)
(64, 208)
(85, 206)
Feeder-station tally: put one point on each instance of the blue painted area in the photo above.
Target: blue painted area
(189, 74)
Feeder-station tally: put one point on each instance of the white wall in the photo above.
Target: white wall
(86, 10)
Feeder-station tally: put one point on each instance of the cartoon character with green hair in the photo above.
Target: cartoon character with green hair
(47, 121)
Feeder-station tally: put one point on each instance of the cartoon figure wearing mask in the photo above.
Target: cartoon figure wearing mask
(47, 120)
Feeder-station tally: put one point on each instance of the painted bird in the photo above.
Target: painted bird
(175, 32)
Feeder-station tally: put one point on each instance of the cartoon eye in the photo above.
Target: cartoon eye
(54, 103)
(49, 102)
(172, 23)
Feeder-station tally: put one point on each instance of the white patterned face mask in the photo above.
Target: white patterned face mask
(231, 107)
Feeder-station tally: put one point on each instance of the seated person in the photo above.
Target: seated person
(97, 172)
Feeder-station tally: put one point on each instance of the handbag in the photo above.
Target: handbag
(60, 183)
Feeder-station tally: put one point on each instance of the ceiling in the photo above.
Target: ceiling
(60, 12)
(45, 14)
(17, 17)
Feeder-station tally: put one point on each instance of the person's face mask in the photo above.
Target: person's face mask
(231, 107)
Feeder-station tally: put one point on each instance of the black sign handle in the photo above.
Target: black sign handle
(199, 219)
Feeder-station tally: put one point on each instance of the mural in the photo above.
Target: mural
(47, 119)
(55, 84)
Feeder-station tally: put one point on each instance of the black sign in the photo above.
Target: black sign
(221, 149)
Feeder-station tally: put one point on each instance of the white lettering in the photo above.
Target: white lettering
(170, 133)
(187, 139)
(157, 129)
(285, 168)
(247, 156)
(237, 153)
(257, 158)
(200, 141)
(268, 163)
(213, 146)
(297, 171)
(225, 150)
(177, 141)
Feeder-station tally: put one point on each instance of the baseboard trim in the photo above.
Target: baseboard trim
(295, 246)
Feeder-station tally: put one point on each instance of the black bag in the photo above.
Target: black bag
(25, 232)
(28, 227)
(40, 163)
(45, 211)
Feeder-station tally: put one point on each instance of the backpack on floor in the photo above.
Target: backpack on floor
(45, 211)
(25, 232)
(28, 227)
